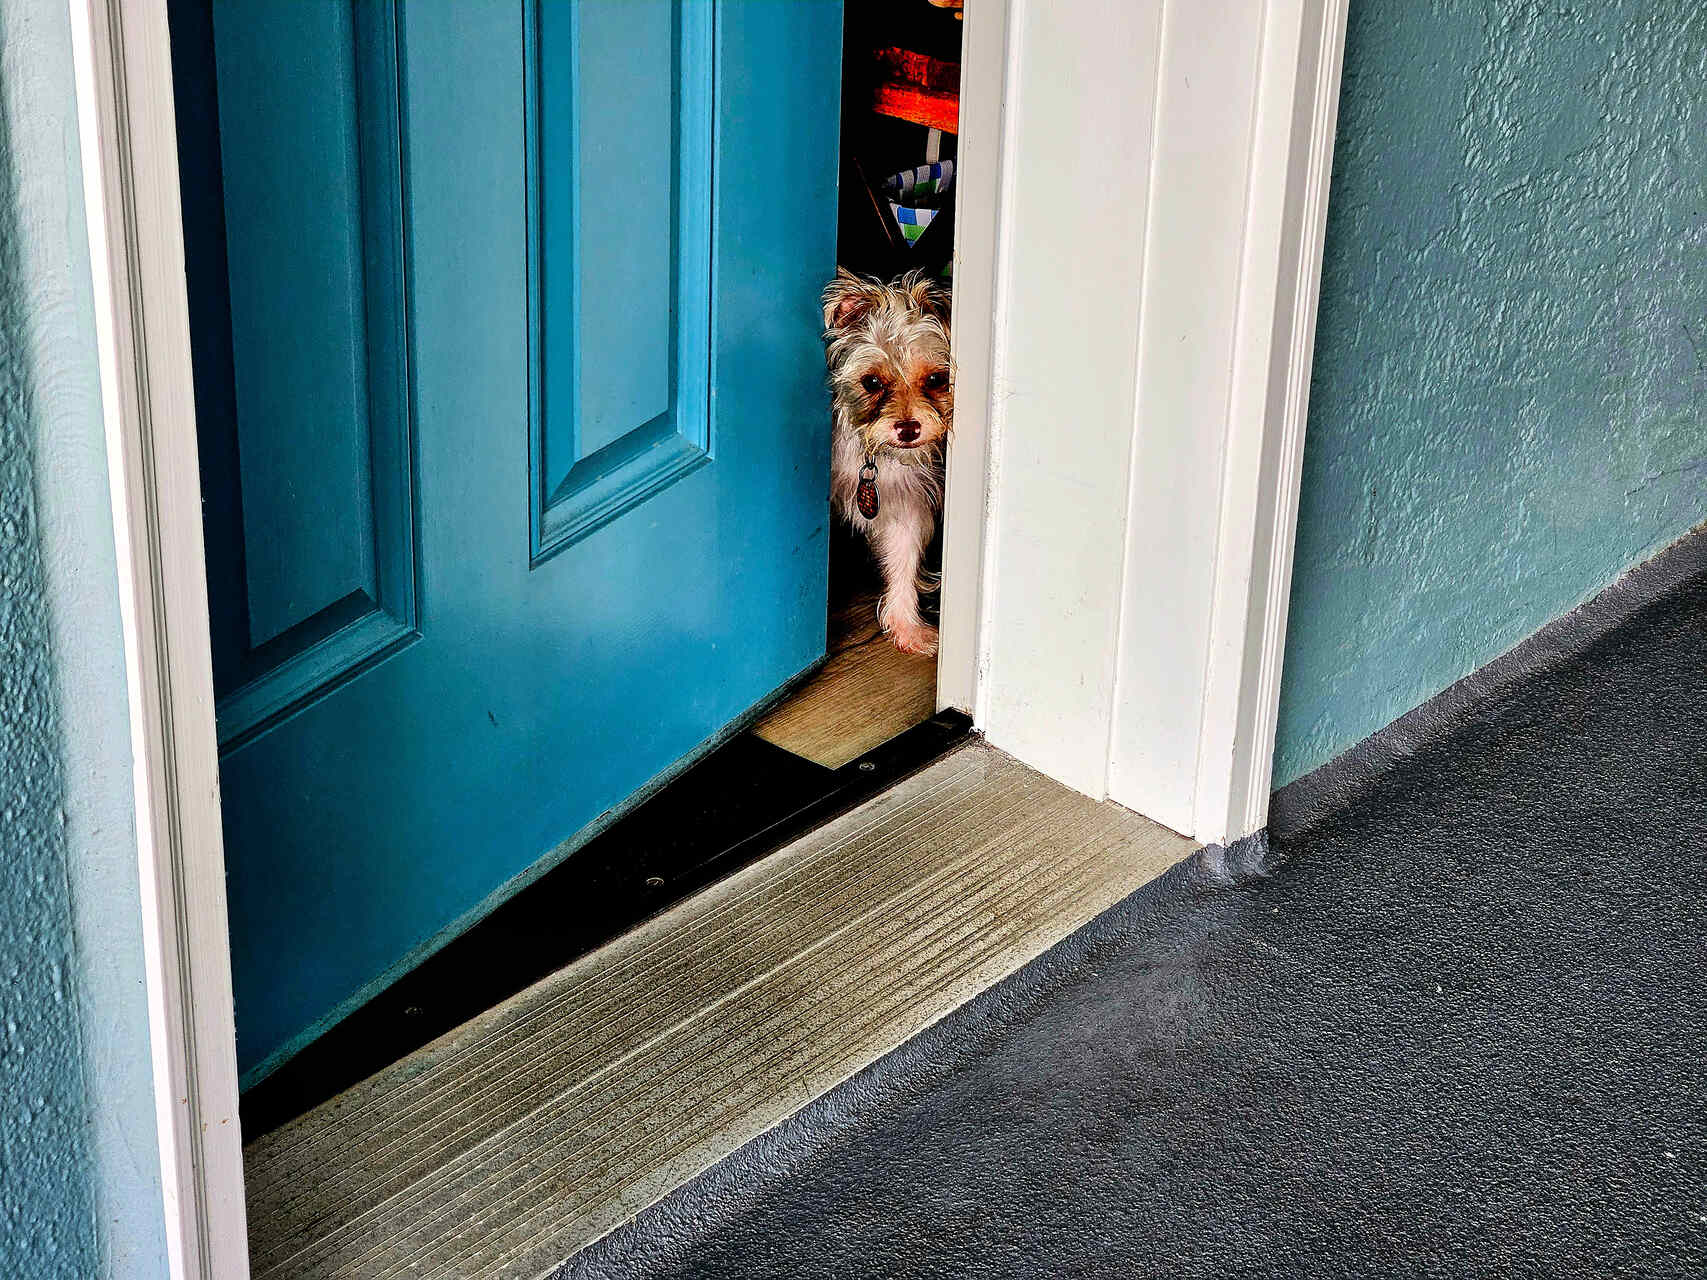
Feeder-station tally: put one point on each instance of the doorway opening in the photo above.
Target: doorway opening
(464, 63)
(899, 155)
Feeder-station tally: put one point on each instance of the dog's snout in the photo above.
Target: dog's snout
(907, 432)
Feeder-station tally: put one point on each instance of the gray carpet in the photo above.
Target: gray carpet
(1457, 1028)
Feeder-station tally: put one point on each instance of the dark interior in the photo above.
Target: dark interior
(900, 111)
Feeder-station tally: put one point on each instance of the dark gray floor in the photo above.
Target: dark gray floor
(1461, 1030)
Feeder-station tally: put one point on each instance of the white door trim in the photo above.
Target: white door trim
(978, 228)
(1124, 655)
(1285, 221)
(1135, 361)
(122, 57)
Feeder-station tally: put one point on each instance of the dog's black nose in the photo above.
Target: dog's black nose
(907, 432)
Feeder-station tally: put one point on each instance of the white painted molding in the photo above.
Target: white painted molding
(1304, 50)
(1069, 275)
(1163, 181)
(128, 136)
(1247, 112)
(1205, 104)
(978, 222)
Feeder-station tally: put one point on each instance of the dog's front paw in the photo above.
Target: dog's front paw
(914, 637)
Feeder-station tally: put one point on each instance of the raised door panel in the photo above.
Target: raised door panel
(620, 116)
(312, 192)
(292, 165)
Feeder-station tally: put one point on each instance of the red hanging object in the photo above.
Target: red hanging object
(865, 497)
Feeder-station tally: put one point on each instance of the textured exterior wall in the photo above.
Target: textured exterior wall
(79, 1173)
(1511, 361)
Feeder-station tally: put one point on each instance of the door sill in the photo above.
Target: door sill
(527, 1133)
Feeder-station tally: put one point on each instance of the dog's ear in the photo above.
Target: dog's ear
(928, 294)
(847, 298)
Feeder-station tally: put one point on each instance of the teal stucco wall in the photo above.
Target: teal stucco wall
(1509, 404)
(79, 1170)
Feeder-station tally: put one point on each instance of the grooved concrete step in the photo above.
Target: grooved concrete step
(506, 1145)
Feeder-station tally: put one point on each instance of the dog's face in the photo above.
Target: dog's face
(887, 348)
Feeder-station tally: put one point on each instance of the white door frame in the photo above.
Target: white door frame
(1143, 194)
(129, 146)
(1139, 252)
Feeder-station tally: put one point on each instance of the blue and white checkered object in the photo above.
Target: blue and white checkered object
(915, 196)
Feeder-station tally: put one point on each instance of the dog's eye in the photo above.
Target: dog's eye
(872, 383)
(936, 380)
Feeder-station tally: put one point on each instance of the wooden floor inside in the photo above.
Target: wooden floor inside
(865, 694)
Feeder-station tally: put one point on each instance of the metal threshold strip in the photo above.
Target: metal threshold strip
(525, 1134)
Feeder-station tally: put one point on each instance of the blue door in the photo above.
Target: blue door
(513, 437)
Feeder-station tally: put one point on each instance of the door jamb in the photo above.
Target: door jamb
(129, 153)
(1114, 611)
(976, 323)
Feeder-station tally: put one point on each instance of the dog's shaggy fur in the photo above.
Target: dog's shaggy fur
(892, 397)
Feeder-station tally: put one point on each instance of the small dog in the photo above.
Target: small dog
(892, 402)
